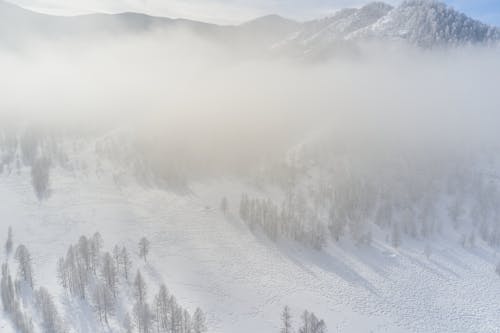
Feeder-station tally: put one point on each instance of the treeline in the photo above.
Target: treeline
(351, 193)
(100, 280)
(39, 150)
(291, 220)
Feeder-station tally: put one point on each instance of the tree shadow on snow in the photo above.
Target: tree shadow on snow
(306, 259)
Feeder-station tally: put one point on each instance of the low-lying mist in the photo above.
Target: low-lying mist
(217, 106)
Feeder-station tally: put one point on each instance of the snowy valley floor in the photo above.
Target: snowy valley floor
(242, 280)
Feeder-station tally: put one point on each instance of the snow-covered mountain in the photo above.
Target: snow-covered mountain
(341, 24)
(425, 23)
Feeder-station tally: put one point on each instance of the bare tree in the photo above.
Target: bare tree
(306, 323)
(62, 273)
(311, 324)
(126, 263)
(286, 320)
(25, 269)
(187, 325)
(144, 248)
(117, 257)
(162, 309)
(103, 302)
(9, 242)
(95, 251)
(140, 288)
(40, 171)
(85, 253)
(51, 322)
(143, 317)
(7, 291)
(199, 321)
(21, 321)
(109, 273)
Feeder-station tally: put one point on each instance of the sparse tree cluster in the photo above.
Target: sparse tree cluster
(92, 275)
(12, 304)
(165, 314)
(13, 292)
(309, 323)
(98, 277)
(292, 221)
(78, 270)
(350, 194)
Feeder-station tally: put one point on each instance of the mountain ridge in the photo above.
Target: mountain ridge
(423, 23)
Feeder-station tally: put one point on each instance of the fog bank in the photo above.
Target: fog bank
(207, 99)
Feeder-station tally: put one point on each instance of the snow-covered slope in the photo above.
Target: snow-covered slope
(424, 23)
(341, 24)
(428, 23)
(242, 279)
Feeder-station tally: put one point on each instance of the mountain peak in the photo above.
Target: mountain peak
(429, 23)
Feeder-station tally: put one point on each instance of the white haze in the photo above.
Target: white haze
(214, 101)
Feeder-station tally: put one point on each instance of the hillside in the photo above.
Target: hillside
(164, 175)
(242, 279)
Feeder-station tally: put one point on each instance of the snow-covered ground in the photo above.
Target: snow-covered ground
(242, 280)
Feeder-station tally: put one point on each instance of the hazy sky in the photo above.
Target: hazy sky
(235, 11)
